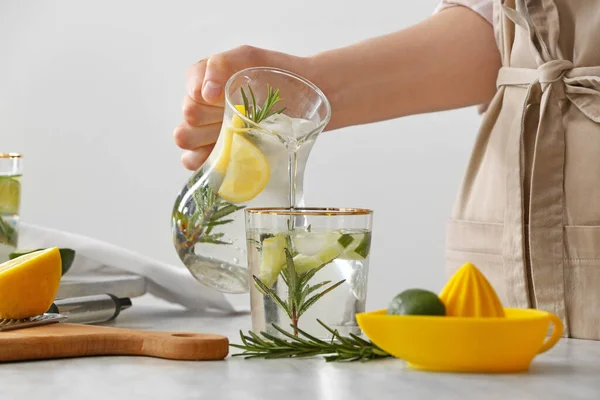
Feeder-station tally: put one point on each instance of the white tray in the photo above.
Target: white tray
(118, 285)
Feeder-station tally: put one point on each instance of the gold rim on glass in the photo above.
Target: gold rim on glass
(10, 155)
(309, 211)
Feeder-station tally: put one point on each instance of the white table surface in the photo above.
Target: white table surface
(569, 371)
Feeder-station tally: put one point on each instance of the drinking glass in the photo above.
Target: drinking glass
(11, 165)
(308, 264)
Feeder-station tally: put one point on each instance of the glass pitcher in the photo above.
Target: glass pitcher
(271, 121)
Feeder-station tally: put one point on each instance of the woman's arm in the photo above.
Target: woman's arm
(447, 61)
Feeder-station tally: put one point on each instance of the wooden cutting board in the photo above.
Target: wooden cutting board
(61, 340)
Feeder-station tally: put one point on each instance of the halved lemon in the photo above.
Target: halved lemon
(28, 284)
(248, 171)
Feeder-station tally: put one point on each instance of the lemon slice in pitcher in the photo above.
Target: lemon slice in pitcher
(248, 171)
(223, 159)
(237, 125)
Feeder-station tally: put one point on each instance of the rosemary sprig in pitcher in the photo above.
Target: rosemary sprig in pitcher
(258, 114)
(209, 209)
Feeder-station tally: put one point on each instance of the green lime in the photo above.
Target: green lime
(417, 302)
(66, 255)
(10, 195)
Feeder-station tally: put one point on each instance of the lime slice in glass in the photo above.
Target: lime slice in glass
(359, 248)
(10, 195)
(332, 246)
(313, 243)
(273, 259)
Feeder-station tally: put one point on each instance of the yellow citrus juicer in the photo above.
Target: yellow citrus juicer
(476, 335)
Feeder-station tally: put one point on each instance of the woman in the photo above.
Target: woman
(528, 212)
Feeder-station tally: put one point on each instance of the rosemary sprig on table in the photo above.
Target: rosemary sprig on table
(258, 114)
(340, 348)
(301, 294)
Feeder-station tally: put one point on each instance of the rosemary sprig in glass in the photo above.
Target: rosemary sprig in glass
(301, 294)
(340, 348)
(300, 343)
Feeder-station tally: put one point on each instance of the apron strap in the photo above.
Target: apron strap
(541, 239)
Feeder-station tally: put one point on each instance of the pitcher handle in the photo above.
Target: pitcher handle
(557, 332)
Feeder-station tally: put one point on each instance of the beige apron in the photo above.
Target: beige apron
(528, 212)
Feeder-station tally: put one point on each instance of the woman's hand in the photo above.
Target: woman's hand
(203, 103)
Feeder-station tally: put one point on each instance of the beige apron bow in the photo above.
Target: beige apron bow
(554, 81)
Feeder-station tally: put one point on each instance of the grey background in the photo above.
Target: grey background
(90, 93)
